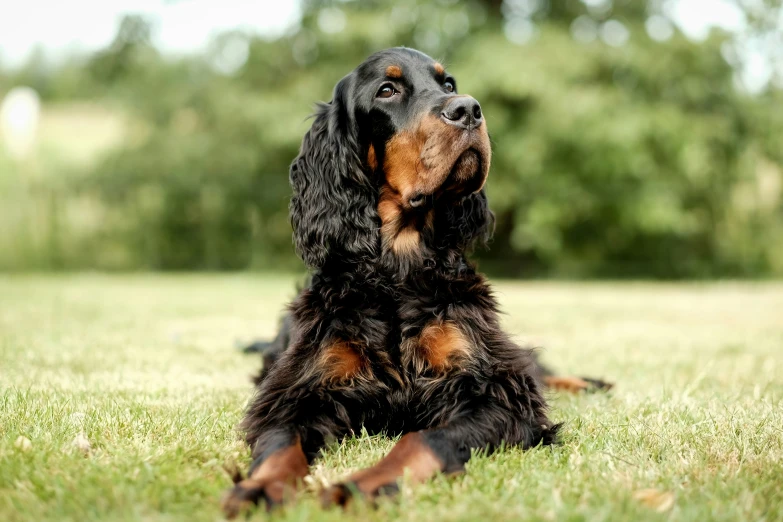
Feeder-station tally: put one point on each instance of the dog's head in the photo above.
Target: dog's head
(397, 160)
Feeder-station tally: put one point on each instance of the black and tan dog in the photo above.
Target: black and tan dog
(395, 332)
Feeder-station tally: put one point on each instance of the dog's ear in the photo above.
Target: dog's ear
(332, 207)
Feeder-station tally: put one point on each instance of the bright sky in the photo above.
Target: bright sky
(187, 25)
(64, 27)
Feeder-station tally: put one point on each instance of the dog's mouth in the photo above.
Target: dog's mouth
(467, 175)
(468, 164)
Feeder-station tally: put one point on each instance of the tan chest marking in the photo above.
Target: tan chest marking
(342, 362)
(442, 345)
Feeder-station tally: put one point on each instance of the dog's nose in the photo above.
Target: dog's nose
(463, 111)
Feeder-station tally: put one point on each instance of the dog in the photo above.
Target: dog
(395, 331)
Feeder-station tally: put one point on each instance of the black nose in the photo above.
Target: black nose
(463, 111)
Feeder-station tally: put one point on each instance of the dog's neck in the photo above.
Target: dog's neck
(402, 229)
(412, 239)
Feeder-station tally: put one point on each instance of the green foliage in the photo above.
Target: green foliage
(618, 162)
(637, 160)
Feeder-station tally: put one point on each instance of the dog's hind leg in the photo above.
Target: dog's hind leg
(275, 346)
(568, 383)
(271, 350)
(572, 384)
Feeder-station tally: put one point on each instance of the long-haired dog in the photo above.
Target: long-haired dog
(395, 332)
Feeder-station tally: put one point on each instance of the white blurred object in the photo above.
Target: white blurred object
(614, 33)
(19, 114)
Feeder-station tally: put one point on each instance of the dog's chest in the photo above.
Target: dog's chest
(438, 348)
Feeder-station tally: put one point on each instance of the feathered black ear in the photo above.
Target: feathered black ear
(332, 209)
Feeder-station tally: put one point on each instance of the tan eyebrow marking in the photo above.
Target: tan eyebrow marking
(394, 71)
(438, 68)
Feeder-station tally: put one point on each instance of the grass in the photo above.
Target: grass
(143, 368)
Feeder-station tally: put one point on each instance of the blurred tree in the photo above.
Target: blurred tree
(131, 45)
(621, 148)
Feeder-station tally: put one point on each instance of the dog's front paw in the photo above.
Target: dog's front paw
(343, 493)
(248, 493)
(337, 495)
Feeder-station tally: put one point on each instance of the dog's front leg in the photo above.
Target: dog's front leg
(276, 471)
(508, 411)
(421, 454)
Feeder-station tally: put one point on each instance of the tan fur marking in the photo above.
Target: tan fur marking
(402, 161)
(406, 242)
(439, 68)
(429, 220)
(390, 213)
(278, 476)
(566, 384)
(342, 362)
(394, 71)
(397, 238)
(441, 344)
(372, 161)
(388, 209)
(285, 465)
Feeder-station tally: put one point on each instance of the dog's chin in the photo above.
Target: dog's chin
(467, 165)
(467, 175)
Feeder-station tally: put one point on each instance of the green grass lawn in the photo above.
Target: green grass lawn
(143, 370)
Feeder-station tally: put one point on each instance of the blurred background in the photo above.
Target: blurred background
(632, 138)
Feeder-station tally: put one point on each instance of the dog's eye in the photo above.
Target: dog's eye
(386, 91)
(449, 86)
